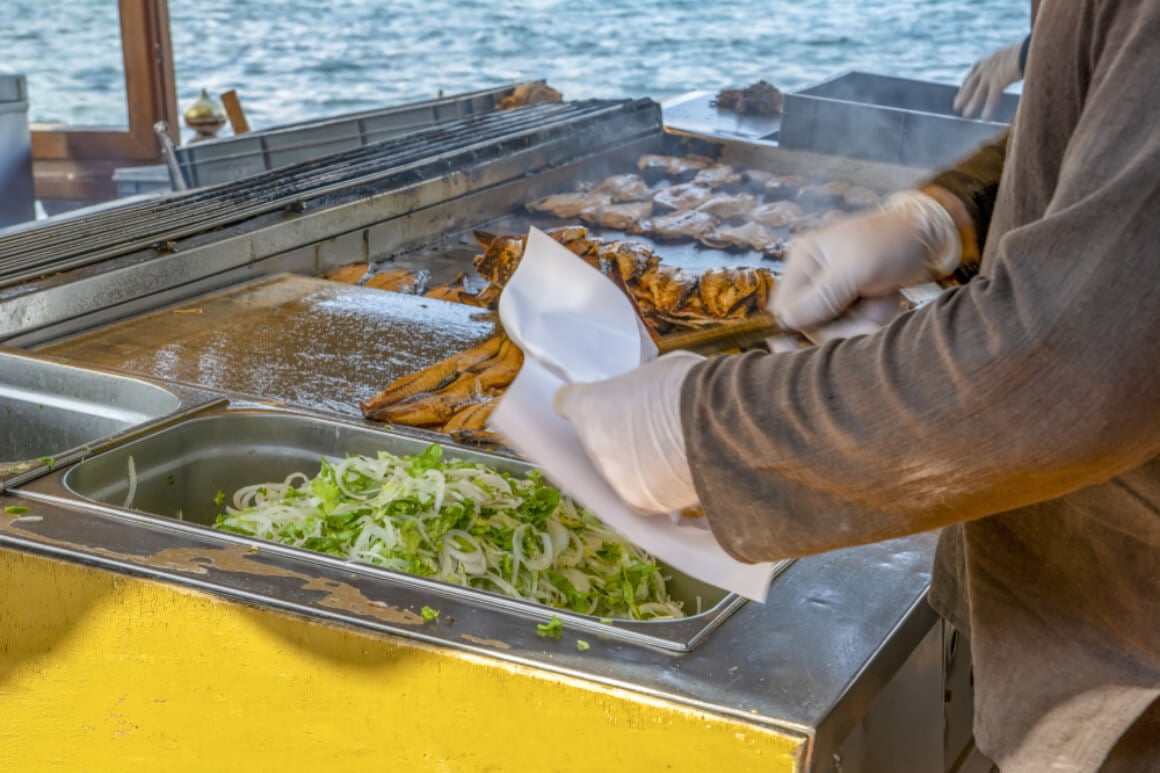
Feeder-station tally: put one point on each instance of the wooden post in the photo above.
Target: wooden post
(234, 112)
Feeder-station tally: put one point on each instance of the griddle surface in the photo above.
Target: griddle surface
(297, 340)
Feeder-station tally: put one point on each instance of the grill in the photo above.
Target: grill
(76, 242)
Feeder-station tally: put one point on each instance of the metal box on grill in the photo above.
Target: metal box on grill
(233, 158)
(17, 199)
(883, 118)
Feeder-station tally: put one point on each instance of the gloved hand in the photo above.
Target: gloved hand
(984, 84)
(912, 239)
(630, 426)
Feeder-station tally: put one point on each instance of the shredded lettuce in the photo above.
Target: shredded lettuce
(429, 614)
(461, 523)
(551, 629)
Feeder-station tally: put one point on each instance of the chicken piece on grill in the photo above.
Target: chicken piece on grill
(568, 206)
(624, 187)
(750, 236)
(351, 273)
(406, 281)
(830, 194)
(529, 94)
(776, 214)
(784, 187)
(729, 206)
(860, 198)
(668, 287)
(680, 168)
(679, 225)
(717, 176)
(682, 197)
(618, 217)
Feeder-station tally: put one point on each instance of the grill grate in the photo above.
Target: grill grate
(72, 243)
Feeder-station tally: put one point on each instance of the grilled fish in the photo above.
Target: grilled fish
(717, 176)
(830, 194)
(734, 292)
(434, 377)
(473, 417)
(618, 217)
(682, 197)
(408, 281)
(680, 225)
(776, 214)
(725, 206)
(351, 274)
(750, 236)
(428, 409)
(676, 167)
(624, 187)
(784, 187)
(568, 206)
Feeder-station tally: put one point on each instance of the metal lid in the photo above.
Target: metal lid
(13, 88)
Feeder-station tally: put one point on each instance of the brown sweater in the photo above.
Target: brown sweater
(1024, 406)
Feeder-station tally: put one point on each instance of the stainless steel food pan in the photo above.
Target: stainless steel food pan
(53, 413)
(179, 470)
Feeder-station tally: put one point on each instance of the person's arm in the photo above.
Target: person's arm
(1028, 383)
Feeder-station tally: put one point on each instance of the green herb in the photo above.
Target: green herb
(429, 614)
(582, 645)
(219, 497)
(49, 461)
(550, 630)
(169, 480)
(16, 509)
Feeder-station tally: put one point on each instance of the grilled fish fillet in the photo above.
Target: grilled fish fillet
(776, 214)
(351, 274)
(682, 197)
(680, 225)
(624, 187)
(618, 217)
(568, 206)
(726, 206)
(750, 236)
(408, 281)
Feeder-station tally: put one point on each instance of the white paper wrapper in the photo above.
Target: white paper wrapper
(574, 325)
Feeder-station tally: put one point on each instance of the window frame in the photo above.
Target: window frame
(75, 162)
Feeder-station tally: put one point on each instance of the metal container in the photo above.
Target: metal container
(17, 198)
(883, 118)
(53, 414)
(232, 158)
(179, 470)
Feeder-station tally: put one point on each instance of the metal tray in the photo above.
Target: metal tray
(54, 413)
(882, 118)
(180, 468)
(232, 158)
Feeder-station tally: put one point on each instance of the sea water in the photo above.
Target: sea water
(293, 60)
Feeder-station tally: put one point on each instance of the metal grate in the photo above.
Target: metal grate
(69, 244)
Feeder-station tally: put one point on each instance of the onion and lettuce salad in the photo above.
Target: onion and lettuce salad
(461, 523)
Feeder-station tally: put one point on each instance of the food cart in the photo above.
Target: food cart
(195, 327)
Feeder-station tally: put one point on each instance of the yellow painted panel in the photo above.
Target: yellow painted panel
(105, 672)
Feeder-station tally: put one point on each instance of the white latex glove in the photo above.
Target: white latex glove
(912, 239)
(630, 426)
(984, 84)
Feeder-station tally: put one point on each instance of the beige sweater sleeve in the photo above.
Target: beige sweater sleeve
(1036, 379)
